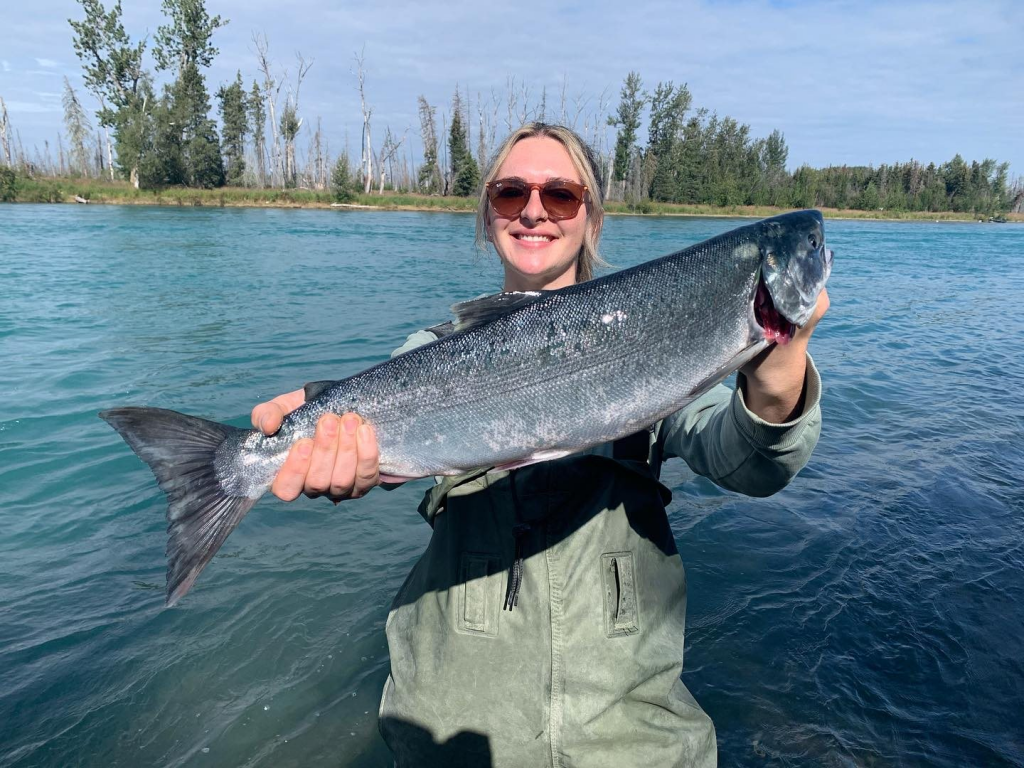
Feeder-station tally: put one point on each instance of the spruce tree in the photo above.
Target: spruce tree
(257, 122)
(183, 46)
(464, 170)
(235, 126)
(627, 120)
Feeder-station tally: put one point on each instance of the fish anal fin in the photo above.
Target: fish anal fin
(477, 312)
(534, 458)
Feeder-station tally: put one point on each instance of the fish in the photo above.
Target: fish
(525, 377)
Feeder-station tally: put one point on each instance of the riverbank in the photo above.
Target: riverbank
(70, 190)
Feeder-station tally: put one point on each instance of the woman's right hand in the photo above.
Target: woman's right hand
(340, 462)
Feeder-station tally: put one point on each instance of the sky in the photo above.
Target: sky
(856, 83)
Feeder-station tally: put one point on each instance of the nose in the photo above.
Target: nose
(534, 210)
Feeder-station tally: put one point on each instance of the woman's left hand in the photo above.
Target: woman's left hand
(774, 386)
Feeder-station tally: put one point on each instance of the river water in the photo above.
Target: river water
(870, 614)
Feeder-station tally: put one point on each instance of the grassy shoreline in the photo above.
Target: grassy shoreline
(121, 193)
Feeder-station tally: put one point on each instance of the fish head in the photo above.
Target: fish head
(795, 264)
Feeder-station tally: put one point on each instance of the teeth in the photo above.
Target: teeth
(534, 238)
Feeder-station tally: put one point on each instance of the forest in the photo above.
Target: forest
(158, 127)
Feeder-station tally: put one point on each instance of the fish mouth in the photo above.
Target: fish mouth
(775, 327)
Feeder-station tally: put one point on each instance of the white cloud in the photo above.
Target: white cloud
(50, 63)
(6, 65)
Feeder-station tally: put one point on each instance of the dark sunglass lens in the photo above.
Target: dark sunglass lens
(508, 199)
(560, 201)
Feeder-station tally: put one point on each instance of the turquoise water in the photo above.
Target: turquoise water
(870, 614)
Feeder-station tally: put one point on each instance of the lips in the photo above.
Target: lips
(526, 237)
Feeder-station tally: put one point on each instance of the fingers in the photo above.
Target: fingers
(340, 462)
(344, 477)
(325, 451)
(267, 417)
(291, 478)
(367, 465)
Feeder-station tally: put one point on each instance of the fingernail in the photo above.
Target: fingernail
(350, 423)
(305, 448)
(330, 425)
(363, 435)
(260, 426)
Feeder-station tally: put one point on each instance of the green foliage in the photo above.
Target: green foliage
(186, 40)
(341, 180)
(8, 185)
(112, 68)
(185, 146)
(467, 179)
(235, 121)
(257, 120)
(977, 188)
(669, 106)
(465, 174)
(627, 120)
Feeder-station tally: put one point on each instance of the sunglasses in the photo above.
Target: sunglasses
(561, 199)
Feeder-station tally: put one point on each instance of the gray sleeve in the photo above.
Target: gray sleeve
(417, 339)
(721, 439)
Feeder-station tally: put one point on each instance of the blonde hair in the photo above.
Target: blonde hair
(586, 164)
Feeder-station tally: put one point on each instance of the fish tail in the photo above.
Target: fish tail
(182, 450)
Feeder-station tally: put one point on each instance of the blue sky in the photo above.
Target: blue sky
(846, 82)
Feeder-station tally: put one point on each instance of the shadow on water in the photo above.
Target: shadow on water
(466, 749)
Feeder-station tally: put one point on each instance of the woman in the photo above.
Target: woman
(544, 623)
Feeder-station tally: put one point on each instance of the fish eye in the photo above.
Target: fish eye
(813, 241)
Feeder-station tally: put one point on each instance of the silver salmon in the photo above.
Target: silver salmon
(525, 377)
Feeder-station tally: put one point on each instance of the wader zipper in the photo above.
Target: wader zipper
(515, 571)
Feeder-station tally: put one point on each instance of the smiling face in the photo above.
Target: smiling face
(536, 252)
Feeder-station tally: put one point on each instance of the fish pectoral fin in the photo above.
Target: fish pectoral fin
(472, 314)
(535, 458)
(314, 389)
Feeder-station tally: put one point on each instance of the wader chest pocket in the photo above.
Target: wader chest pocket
(479, 594)
(620, 608)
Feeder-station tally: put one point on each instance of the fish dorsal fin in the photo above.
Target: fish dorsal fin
(314, 389)
(477, 312)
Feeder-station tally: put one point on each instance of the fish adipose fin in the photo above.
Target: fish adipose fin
(181, 450)
(472, 314)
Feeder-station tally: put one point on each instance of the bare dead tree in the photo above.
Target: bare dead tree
(291, 123)
(561, 107)
(446, 174)
(98, 154)
(524, 108)
(319, 157)
(387, 154)
(5, 133)
(110, 149)
(271, 90)
(481, 135)
(366, 165)
(77, 123)
(512, 107)
(429, 178)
